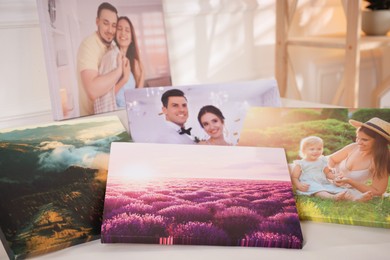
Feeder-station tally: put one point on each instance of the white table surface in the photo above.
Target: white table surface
(321, 240)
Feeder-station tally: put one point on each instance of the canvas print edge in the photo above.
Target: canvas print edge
(228, 101)
(137, 214)
(51, 216)
(66, 102)
(317, 209)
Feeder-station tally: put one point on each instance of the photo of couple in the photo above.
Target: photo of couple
(175, 110)
(113, 51)
(336, 156)
(204, 114)
(97, 50)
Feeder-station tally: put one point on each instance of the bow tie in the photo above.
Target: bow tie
(185, 131)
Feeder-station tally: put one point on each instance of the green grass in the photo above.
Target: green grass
(374, 213)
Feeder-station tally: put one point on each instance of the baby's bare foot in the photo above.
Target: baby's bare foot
(364, 197)
(340, 196)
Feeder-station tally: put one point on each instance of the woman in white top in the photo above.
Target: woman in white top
(127, 42)
(366, 159)
(133, 73)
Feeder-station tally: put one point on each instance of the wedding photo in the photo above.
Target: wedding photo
(198, 114)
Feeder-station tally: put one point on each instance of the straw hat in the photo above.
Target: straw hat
(375, 124)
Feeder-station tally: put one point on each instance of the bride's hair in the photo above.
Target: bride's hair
(210, 109)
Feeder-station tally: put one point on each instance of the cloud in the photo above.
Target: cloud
(111, 129)
(100, 161)
(50, 145)
(64, 156)
(104, 142)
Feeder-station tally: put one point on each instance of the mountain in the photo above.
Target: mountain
(50, 132)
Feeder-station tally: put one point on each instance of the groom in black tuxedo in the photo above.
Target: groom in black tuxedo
(175, 110)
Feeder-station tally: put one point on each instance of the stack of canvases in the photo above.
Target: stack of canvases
(71, 182)
(54, 178)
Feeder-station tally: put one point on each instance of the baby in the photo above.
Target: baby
(311, 175)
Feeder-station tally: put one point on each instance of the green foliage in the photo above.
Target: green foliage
(336, 134)
(365, 114)
(339, 114)
(301, 114)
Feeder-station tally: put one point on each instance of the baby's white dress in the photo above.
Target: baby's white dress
(312, 174)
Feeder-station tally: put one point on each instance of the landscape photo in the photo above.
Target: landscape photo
(199, 195)
(286, 127)
(52, 183)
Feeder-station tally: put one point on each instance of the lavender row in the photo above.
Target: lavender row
(203, 211)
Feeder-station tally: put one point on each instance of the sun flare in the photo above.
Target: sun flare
(139, 172)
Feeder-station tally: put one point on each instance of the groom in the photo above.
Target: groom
(92, 85)
(176, 114)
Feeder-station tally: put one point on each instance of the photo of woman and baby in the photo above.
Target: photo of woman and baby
(335, 155)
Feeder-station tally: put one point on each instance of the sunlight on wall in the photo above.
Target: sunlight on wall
(181, 49)
(319, 70)
(264, 25)
(318, 17)
(209, 41)
(22, 72)
(228, 43)
(154, 44)
(218, 41)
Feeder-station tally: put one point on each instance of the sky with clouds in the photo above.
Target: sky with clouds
(137, 161)
(58, 155)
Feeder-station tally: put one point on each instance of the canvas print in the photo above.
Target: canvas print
(95, 50)
(52, 183)
(338, 157)
(198, 114)
(172, 194)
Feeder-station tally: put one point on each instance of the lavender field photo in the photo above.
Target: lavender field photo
(197, 195)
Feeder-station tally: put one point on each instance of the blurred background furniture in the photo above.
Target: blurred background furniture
(353, 42)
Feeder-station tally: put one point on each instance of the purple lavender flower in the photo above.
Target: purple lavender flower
(199, 233)
(126, 225)
(183, 213)
(236, 221)
(265, 239)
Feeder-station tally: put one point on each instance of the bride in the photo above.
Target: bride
(212, 121)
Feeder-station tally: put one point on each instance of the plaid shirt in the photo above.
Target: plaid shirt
(107, 102)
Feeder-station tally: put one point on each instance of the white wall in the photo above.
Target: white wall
(220, 41)
(23, 82)
(385, 101)
(209, 41)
